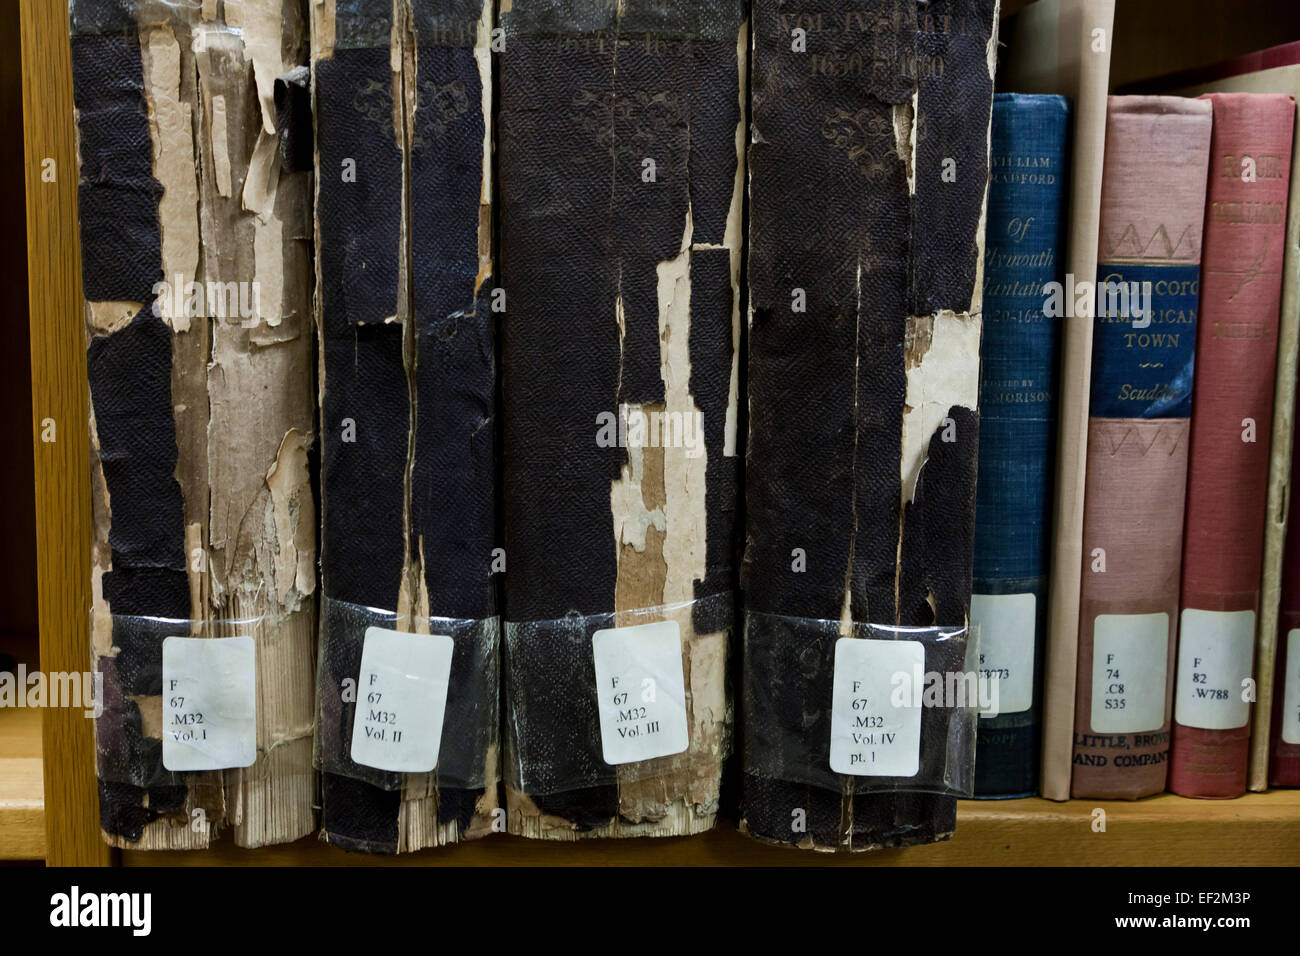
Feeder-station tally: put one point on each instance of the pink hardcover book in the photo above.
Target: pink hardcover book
(1152, 202)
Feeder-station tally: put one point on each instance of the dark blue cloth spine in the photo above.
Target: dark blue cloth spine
(1131, 375)
(1023, 251)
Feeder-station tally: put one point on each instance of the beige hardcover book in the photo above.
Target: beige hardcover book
(1283, 79)
(1063, 47)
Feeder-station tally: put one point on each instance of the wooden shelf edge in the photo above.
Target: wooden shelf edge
(22, 785)
(22, 809)
(1260, 829)
(59, 395)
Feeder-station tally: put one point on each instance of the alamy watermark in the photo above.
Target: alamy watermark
(1108, 298)
(215, 300)
(78, 908)
(950, 690)
(634, 427)
(72, 689)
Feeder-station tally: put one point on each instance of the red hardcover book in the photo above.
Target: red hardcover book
(1232, 412)
(1284, 755)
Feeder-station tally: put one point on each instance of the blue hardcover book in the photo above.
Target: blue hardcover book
(1022, 254)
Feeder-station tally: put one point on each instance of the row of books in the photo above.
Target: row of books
(532, 271)
(1158, 649)
(529, 416)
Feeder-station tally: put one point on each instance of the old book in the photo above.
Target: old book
(1153, 200)
(1064, 47)
(1023, 253)
(621, 176)
(1282, 78)
(1232, 410)
(197, 275)
(404, 259)
(869, 171)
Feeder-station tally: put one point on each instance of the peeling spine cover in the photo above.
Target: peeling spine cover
(197, 280)
(865, 274)
(621, 181)
(404, 259)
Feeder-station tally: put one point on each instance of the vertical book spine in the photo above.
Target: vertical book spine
(1017, 416)
(1232, 410)
(1152, 203)
(404, 264)
(621, 185)
(865, 272)
(197, 278)
(138, 562)
(363, 393)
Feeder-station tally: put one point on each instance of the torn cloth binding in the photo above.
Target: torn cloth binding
(404, 258)
(197, 277)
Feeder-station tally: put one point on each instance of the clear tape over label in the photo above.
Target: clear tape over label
(582, 691)
(398, 701)
(892, 709)
(209, 712)
(209, 703)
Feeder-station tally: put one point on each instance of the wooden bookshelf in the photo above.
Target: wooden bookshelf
(22, 785)
(48, 798)
(1261, 829)
(59, 392)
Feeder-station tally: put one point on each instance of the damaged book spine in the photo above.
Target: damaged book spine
(622, 129)
(869, 170)
(196, 268)
(402, 103)
(1144, 340)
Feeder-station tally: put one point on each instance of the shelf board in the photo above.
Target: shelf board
(1257, 829)
(22, 785)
